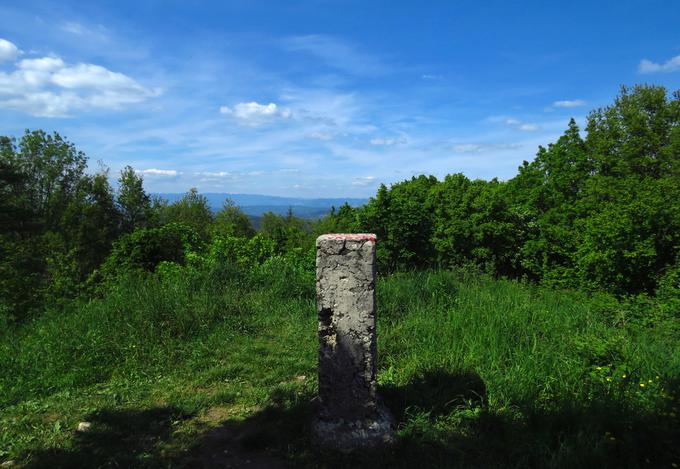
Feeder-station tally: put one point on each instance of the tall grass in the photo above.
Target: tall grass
(480, 372)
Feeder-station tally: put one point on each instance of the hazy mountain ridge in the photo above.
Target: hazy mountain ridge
(257, 204)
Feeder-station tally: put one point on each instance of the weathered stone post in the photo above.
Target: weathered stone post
(350, 415)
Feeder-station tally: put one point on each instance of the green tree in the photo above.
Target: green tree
(343, 220)
(288, 233)
(53, 167)
(133, 202)
(629, 213)
(61, 222)
(192, 210)
(90, 225)
(401, 217)
(145, 248)
(231, 221)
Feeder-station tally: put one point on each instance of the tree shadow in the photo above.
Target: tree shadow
(117, 438)
(443, 420)
(435, 392)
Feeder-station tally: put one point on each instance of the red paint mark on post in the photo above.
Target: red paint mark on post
(349, 236)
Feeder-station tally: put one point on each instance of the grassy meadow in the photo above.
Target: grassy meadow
(203, 368)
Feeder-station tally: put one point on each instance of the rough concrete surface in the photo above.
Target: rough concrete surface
(350, 415)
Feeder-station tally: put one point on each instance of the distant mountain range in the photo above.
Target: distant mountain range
(255, 205)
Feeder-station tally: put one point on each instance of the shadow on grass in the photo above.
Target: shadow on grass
(117, 438)
(443, 419)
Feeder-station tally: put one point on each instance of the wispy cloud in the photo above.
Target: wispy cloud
(211, 174)
(324, 136)
(388, 141)
(484, 147)
(671, 65)
(336, 53)
(569, 103)
(158, 172)
(519, 125)
(528, 127)
(79, 29)
(363, 181)
(229, 174)
(254, 114)
(49, 87)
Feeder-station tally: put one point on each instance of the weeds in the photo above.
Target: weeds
(480, 372)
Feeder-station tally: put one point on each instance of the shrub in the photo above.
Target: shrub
(145, 248)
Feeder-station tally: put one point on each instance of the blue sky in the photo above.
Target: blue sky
(321, 98)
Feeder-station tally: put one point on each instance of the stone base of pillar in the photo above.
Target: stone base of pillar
(372, 432)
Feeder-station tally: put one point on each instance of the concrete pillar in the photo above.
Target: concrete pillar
(350, 415)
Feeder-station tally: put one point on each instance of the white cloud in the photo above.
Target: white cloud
(387, 141)
(569, 103)
(253, 113)
(219, 174)
(671, 65)
(43, 64)
(158, 172)
(523, 126)
(227, 174)
(427, 76)
(325, 136)
(49, 87)
(93, 76)
(528, 127)
(363, 181)
(484, 147)
(8, 51)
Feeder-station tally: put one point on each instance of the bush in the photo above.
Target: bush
(145, 248)
(668, 292)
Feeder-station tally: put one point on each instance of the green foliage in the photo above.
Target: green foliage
(191, 210)
(60, 222)
(146, 248)
(496, 372)
(473, 224)
(343, 220)
(288, 233)
(53, 168)
(231, 221)
(243, 252)
(668, 291)
(600, 212)
(401, 217)
(133, 202)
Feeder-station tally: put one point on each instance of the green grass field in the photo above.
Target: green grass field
(191, 369)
